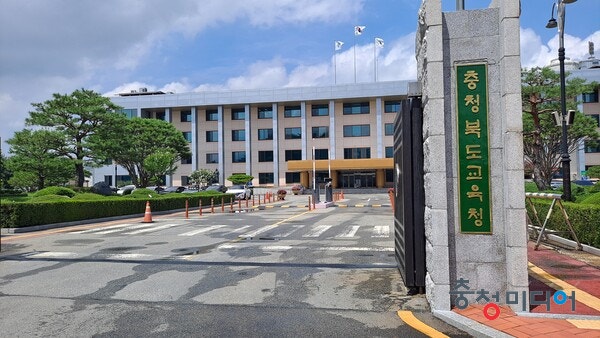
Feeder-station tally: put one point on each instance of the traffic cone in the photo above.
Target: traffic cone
(147, 214)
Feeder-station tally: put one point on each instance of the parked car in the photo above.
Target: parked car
(156, 188)
(216, 187)
(240, 191)
(126, 189)
(176, 189)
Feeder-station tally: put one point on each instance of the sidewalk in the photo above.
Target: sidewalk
(551, 270)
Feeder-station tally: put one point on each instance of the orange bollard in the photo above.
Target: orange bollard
(246, 203)
(231, 208)
(313, 201)
(222, 205)
(309, 204)
(147, 214)
(265, 197)
(392, 200)
(342, 194)
(212, 205)
(187, 209)
(200, 206)
(252, 200)
(239, 205)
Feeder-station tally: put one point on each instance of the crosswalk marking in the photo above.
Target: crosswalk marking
(231, 246)
(288, 232)
(317, 231)
(240, 229)
(157, 228)
(381, 231)
(199, 231)
(127, 227)
(349, 232)
(101, 230)
(259, 231)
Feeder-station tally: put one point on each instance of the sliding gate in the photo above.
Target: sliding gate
(409, 206)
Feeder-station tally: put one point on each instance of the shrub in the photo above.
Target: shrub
(55, 191)
(143, 193)
(46, 198)
(592, 199)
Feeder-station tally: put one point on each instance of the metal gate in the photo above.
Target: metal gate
(409, 206)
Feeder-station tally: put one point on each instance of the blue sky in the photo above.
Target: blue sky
(111, 46)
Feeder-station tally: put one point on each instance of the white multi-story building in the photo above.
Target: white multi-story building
(279, 136)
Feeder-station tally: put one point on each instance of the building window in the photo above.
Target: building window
(293, 155)
(266, 178)
(355, 153)
(321, 154)
(320, 132)
(265, 134)
(590, 97)
(238, 156)
(293, 133)
(265, 156)
(320, 110)
(212, 136)
(596, 118)
(357, 130)
(356, 108)
(389, 152)
(160, 115)
(186, 116)
(212, 158)
(291, 111)
(186, 160)
(392, 106)
(185, 180)
(592, 146)
(292, 178)
(389, 129)
(212, 115)
(238, 113)
(129, 112)
(265, 112)
(187, 135)
(238, 135)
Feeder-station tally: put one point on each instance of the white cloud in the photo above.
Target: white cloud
(534, 53)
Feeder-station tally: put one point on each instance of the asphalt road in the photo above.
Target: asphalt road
(269, 273)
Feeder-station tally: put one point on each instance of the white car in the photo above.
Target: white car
(240, 191)
(126, 190)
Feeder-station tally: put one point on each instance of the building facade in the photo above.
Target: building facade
(280, 136)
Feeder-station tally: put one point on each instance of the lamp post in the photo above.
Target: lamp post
(565, 159)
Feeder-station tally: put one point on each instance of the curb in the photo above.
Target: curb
(470, 326)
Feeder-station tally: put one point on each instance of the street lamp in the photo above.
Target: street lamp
(565, 159)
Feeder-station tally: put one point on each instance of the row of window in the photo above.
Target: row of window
(294, 111)
(294, 133)
(293, 155)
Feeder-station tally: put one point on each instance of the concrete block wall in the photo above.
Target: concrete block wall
(496, 262)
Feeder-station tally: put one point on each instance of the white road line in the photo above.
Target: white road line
(349, 232)
(258, 231)
(289, 247)
(52, 254)
(288, 232)
(240, 229)
(101, 230)
(317, 231)
(381, 231)
(155, 228)
(199, 231)
(127, 228)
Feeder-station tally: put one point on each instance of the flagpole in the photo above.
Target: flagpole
(354, 58)
(375, 60)
(334, 63)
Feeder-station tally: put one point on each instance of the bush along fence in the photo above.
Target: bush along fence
(585, 219)
(16, 215)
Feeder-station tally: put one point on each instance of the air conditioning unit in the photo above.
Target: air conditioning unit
(143, 90)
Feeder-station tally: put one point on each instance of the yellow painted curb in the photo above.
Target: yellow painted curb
(416, 324)
(558, 284)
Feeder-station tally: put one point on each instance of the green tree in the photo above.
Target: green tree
(34, 161)
(5, 174)
(159, 164)
(240, 178)
(77, 116)
(594, 171)
(540, 90)
(129, 142)
(204, 177)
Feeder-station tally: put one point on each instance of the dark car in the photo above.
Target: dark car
(169, 190)
(216, 187)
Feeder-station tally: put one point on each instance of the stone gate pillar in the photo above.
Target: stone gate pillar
(469, 69)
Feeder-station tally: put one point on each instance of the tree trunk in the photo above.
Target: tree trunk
(539, 179)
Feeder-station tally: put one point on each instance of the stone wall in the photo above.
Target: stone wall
(495, 262)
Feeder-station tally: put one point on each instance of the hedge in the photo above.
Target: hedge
(585, 219)
(16, 215)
